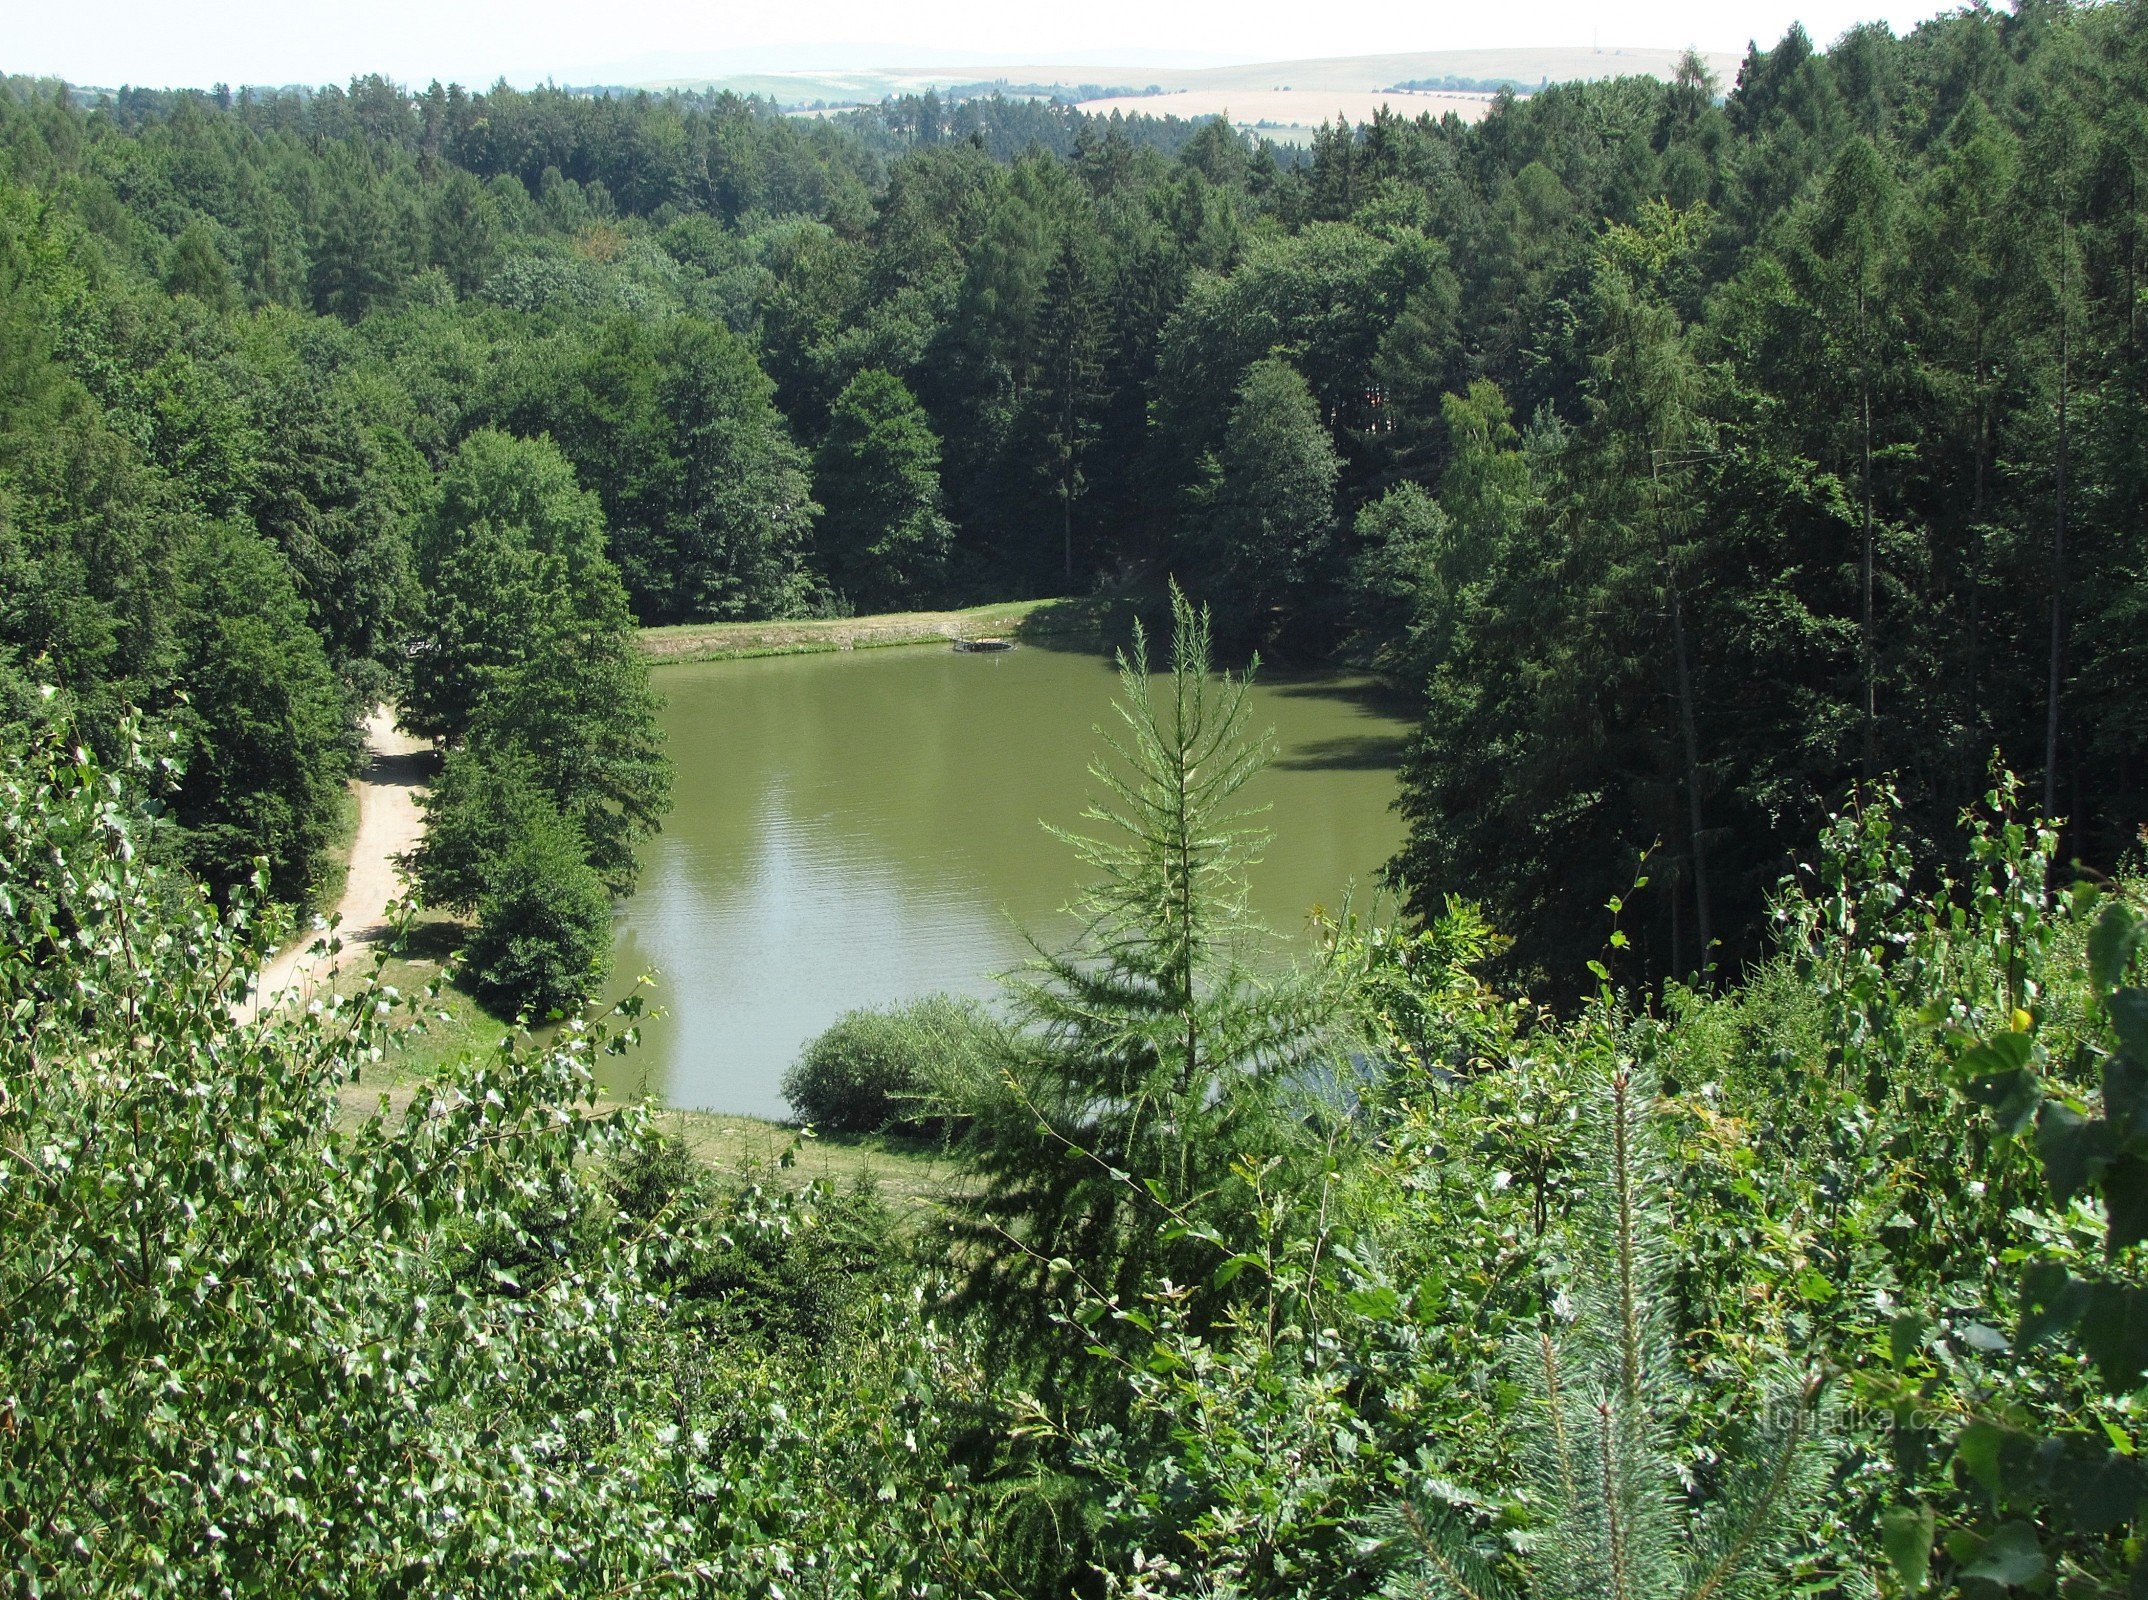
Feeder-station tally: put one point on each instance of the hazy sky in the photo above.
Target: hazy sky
(160, 42)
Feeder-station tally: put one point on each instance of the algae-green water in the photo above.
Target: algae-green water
(853, 828)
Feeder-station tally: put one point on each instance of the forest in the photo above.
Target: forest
(1717, 1165)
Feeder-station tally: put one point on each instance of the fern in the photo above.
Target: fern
(1604, 1512)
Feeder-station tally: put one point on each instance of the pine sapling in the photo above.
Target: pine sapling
(1602, 1509)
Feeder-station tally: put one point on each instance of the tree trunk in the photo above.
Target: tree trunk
(1871, 760)
(1689, 736)
(2058, 546)
(1688, 727)
(1972, 710)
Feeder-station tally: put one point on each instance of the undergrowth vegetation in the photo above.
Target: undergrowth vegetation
(1829, 1282)
(1725, 1173)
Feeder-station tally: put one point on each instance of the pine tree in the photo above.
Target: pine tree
(1645, 396)
(884, 539)
(1070, 391)
(1148, 1057)
(1270, 504)
(1852, 235)
(463, 229)
(1607, 1517)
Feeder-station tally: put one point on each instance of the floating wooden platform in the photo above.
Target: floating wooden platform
(979, 645)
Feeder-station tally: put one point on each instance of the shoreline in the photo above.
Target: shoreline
(735, 641)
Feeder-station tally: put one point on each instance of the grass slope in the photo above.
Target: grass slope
(730, 641)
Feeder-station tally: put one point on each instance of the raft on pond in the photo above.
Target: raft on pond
(984, 644)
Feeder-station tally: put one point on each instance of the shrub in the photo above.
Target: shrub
(872, 1069)
(544, 925)
(262, 1340)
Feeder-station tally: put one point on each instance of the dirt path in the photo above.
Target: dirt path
(389, 824)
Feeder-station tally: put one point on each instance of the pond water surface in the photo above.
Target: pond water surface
(856, 828)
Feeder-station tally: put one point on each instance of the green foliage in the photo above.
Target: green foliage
(214, 1361)
(195, 267)
(502, 843)
(543, 939)
(869, 1070)
(1401, 538)
(885, 539)
(1147, 1058)
(733, 517)
(1701, 463)
(267, 1334)
(509, 560)
(2021, 995)
(1783, 441)
(266, 733)
(1420, 998)
(1598, 1378)
(581, 716)
(1269, 506)
(529, 664)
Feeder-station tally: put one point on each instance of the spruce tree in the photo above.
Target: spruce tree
(884, 539)
(1605, 1504)
(1269, 503)
(1071, 392)
(1148, 1062)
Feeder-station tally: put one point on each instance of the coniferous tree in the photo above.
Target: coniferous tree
(1269, 504)
(196, 267)
(1968, 243)
(1645, 396)
(358, 246)
(464, 235)
(728, 525)
(1851, 236)
(884, 540)
(1070, 394)
(1607, 1507)
(1148, 1060)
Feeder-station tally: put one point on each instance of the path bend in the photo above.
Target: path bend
(390, 824)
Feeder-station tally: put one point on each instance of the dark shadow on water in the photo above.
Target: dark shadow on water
(1369, 695)
(1365, 752)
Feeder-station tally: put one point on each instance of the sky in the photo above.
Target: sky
(162, 43)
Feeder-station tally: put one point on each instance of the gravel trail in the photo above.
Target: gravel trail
(389, 825)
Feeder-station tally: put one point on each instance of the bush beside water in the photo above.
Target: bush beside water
(873, 1069)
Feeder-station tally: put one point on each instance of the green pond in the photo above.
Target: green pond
(850, 829)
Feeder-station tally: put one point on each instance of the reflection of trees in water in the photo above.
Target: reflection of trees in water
(851, 829)
(1357, 752)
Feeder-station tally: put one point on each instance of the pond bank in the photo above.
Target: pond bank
(731, 641)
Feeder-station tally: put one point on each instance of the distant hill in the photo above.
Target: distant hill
(1284, 99)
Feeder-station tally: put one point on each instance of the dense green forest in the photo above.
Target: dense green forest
(1726, 1172)
(1693, 456)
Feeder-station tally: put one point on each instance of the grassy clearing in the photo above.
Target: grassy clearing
(730, 641)
(456, 1025)
(912, 1175)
